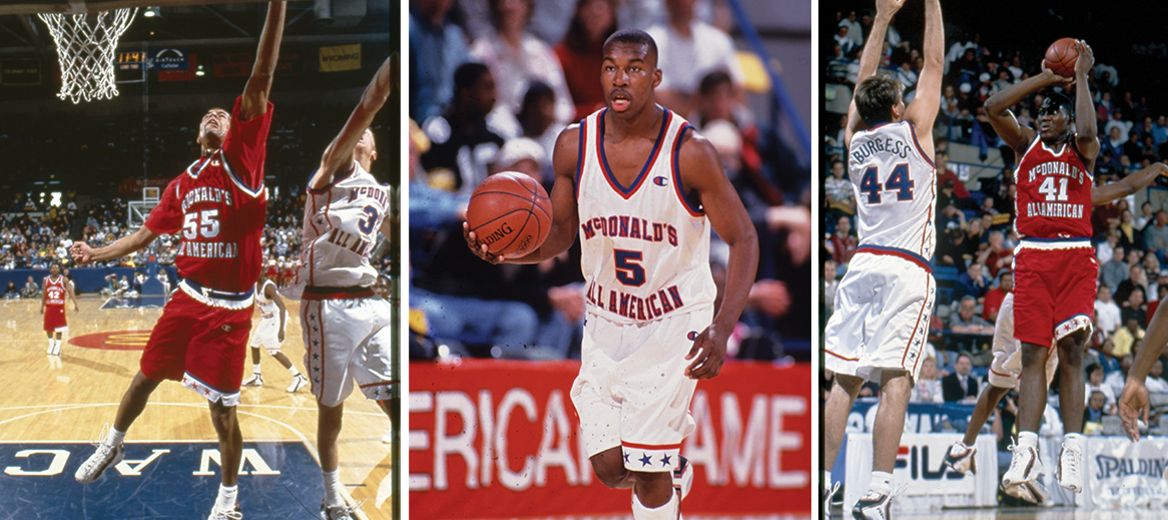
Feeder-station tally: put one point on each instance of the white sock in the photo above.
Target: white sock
(255, 369)
(1028, 440)
(50, 344)
(292, 370)
(114, 437)
(332, 487)
(881, 482)
(826, 479)
(226, 499)
(1073, 437)
(667, 511)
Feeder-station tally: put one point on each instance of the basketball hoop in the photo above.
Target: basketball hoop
(85, 51)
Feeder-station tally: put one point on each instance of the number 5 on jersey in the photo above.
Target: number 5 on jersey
(899, 182)
(629, 270)
(205, 223)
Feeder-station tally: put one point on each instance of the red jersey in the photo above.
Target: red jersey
(219, 206)
(54, 295)
(1054, 193)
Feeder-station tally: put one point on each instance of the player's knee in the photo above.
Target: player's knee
(609, 473)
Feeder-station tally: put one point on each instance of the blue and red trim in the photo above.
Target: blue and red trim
(900, 253)
(913, 132)
(580, 157)
(675, 171)
(651, 446)
(627, 192)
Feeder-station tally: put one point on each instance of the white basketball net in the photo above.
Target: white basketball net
(86, 50)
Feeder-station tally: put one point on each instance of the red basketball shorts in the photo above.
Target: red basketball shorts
(1054, 293)
(200, 345)
(54, 318)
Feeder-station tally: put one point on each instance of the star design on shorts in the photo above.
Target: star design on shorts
(316, 356)
(645, 460)
(665, 460)
(626, 457)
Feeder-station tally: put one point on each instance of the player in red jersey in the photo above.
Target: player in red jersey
(1055, 266)
(217, 206)
(55, 289)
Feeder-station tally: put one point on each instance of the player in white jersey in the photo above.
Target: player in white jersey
(881, 320)
(643, 191)
(346, 327)
(269, 334)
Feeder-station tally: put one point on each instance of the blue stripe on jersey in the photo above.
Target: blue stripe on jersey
(666, 119)
(914, 257)
(580, 157)
(676, 169)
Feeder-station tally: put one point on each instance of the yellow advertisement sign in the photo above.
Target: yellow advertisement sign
(338, 58)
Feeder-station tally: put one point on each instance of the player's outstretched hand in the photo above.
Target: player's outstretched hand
(1133, 407)
(1086, 58)
(888, 7)
(708, 353)
(479, 249)
(81, 252)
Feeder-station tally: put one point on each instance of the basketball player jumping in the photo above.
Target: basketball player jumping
(269, 334)
(347, 329)
(645, 259)
(1055, 266)
(218, 206)
(880, 326)
(55, 288)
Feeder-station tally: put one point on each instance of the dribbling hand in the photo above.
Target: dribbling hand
(1133, 407)
(81, 252)
(478, 248)
(708, 353)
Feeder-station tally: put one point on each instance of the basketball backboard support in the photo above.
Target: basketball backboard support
(91, 6)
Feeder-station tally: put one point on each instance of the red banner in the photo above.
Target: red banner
(493, 439)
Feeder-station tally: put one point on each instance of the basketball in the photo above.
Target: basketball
(1061, 57)
(511, 213)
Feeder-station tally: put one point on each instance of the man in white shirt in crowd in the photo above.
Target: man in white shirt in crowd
(1106, 311)
(687, 50)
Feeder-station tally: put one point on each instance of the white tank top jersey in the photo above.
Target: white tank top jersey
(268, 308)
(340, 231)
(645, 248)
(896, 190)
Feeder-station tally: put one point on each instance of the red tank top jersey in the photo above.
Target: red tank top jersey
(1054, 193)
(217, 208)
(55, 292)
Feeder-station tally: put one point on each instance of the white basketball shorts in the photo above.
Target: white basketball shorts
(347, 341)
(1007, 363)
(881, 319)
(632, 390)
(266, 334)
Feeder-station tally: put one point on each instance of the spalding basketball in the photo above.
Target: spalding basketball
(1061, 57)
(511, 213)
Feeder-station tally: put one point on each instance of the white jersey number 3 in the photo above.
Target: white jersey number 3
(204, 223)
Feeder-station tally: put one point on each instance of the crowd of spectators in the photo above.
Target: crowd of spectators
(975, 217)
(492, 84)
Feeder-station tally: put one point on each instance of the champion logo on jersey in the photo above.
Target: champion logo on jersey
(660, 180)
(693, 335)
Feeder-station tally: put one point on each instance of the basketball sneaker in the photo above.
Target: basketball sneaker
(828, 494)
(254, 380)
(960, 459)
(225, 514)
(339, 512)
(683, 477)
(96, 464)
(298, 382)
(1021, 480)
(873, 506)
(1070, 474)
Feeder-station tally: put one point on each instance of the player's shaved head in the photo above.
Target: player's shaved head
(875, 97)
(633, 38)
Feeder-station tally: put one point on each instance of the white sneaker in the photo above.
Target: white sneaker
(298, 382)
(388, 437)
(96, 464)
(683, 477)
(254, 380)
(961, 459)
(1070, 474)
(1021, 480)
(873, 506)
(828, 493)
(223, 514)
(340, 512)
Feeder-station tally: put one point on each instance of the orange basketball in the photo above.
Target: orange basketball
(1061, 57)
(511, 213)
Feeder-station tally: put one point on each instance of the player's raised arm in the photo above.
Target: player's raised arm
(728, 217)
(565, 217)
(922, 113)
(83, 254)
(1128, 185)
(339, 154)
(1086, 129)
(255, 93)
(1002, 119)
(870, 57)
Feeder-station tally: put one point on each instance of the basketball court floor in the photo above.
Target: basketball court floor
(51, 411)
